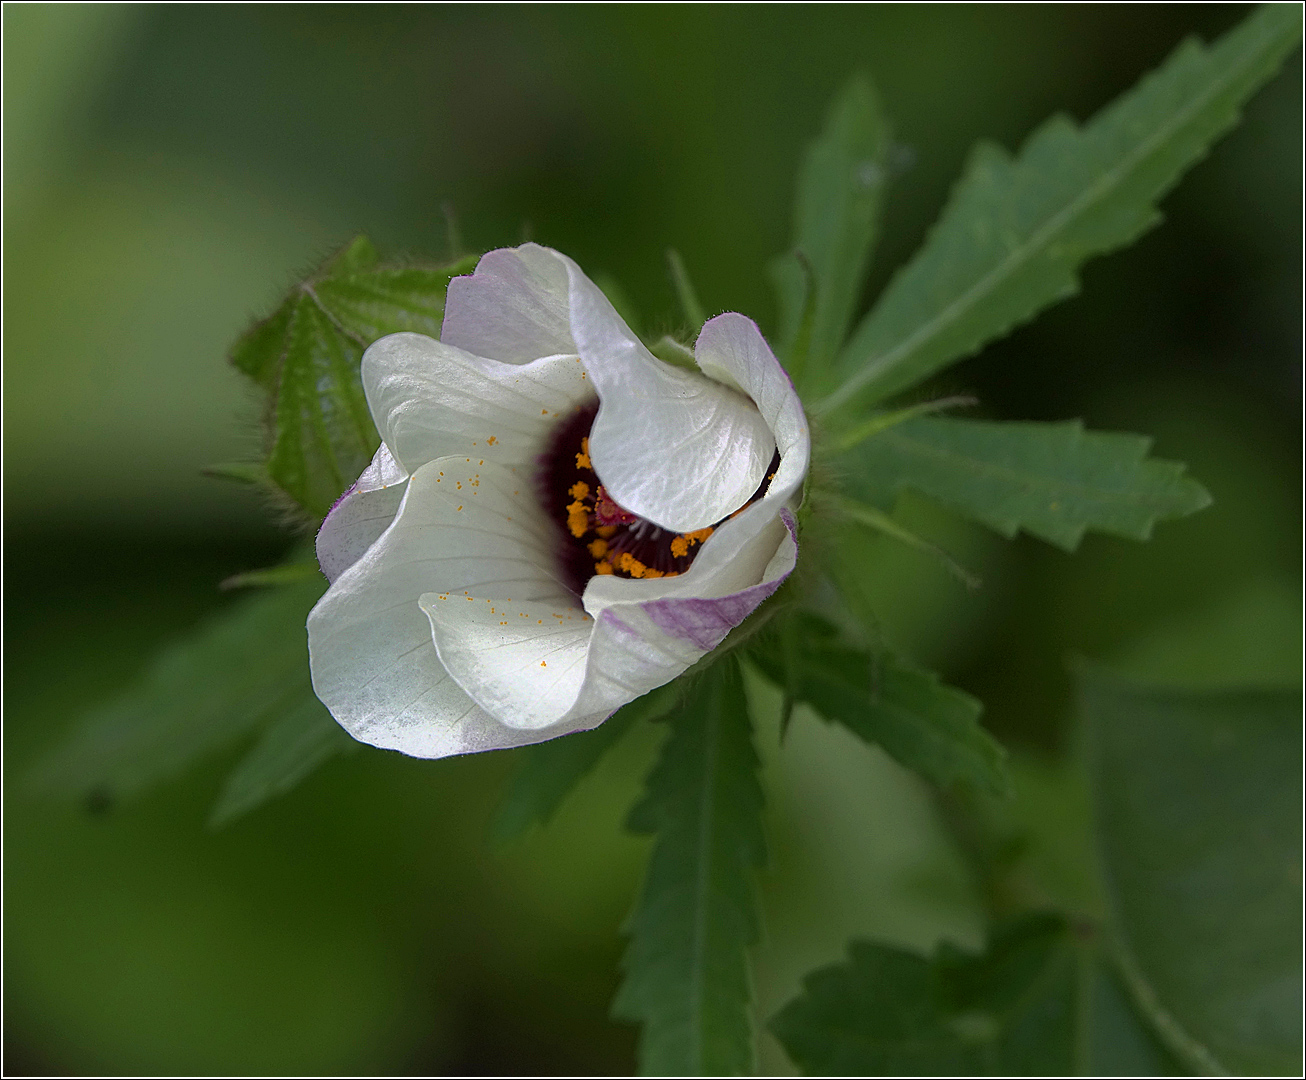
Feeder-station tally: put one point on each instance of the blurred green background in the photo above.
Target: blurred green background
(169, 169)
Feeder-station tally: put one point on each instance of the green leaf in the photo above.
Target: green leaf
(888, 1011)
(1040, 1001)
(238, 670)
(550, 770)
(271, 577)
(925, 725)
(302, 738)
(1055, 481)
(1198, 804)
(687, 973)
(841, 187)
(306, 355)
(1015, 231)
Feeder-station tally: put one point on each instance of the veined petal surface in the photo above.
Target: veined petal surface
(461, 526)
(431, 400)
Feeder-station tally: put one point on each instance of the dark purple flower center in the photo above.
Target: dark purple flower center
(601, 537)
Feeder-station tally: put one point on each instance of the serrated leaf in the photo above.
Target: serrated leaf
(888, 1011)
(925, 725)
(841, 185)
(1198, 803)
(307, 355)
(293, 746)
(324, 433)
(387, 300)
(686, 968)
(239, 669)
(1054, 480)
(550, 770)
(1015, 231)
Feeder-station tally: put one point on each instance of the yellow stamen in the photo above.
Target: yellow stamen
(579, 489)
(606, 531)
(599, 548)
(578, 519)
(679, 547)
(631, 565)
(583, 458)
(603, 567)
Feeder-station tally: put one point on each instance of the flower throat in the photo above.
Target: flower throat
(601, 537)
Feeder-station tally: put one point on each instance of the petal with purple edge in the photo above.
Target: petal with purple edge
(513, 308)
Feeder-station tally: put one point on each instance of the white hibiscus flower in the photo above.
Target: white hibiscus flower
(556, 521)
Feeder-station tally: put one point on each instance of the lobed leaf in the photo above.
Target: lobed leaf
(925, 725)
(1055, 480)
(888, 1011)
(306, 355)
(1040, 1001)
(1016, 230)
(550, 770)
(240, 669)
(686, 968)
(1198, 800)
(841, 185)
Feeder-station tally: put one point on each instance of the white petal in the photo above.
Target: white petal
(431, 400)
(674, 447)
(373, 660)
(731, 349)
(512, 308)
(522, 661)
(361, 514)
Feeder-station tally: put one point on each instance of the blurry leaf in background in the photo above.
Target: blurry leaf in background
(303, 737)
(687, 978)
(242, 668)
(927, 726)
(1198, 797)
(1251, 637)
(549, 770)
(1022, 1008)
(837, 214)
(1053, 480)
(1015, 231)
(306, 355)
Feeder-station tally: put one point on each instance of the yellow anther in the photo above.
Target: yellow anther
(598, 548)
(579, 489)
(679, 547)
(603, 567)
(631, 565)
